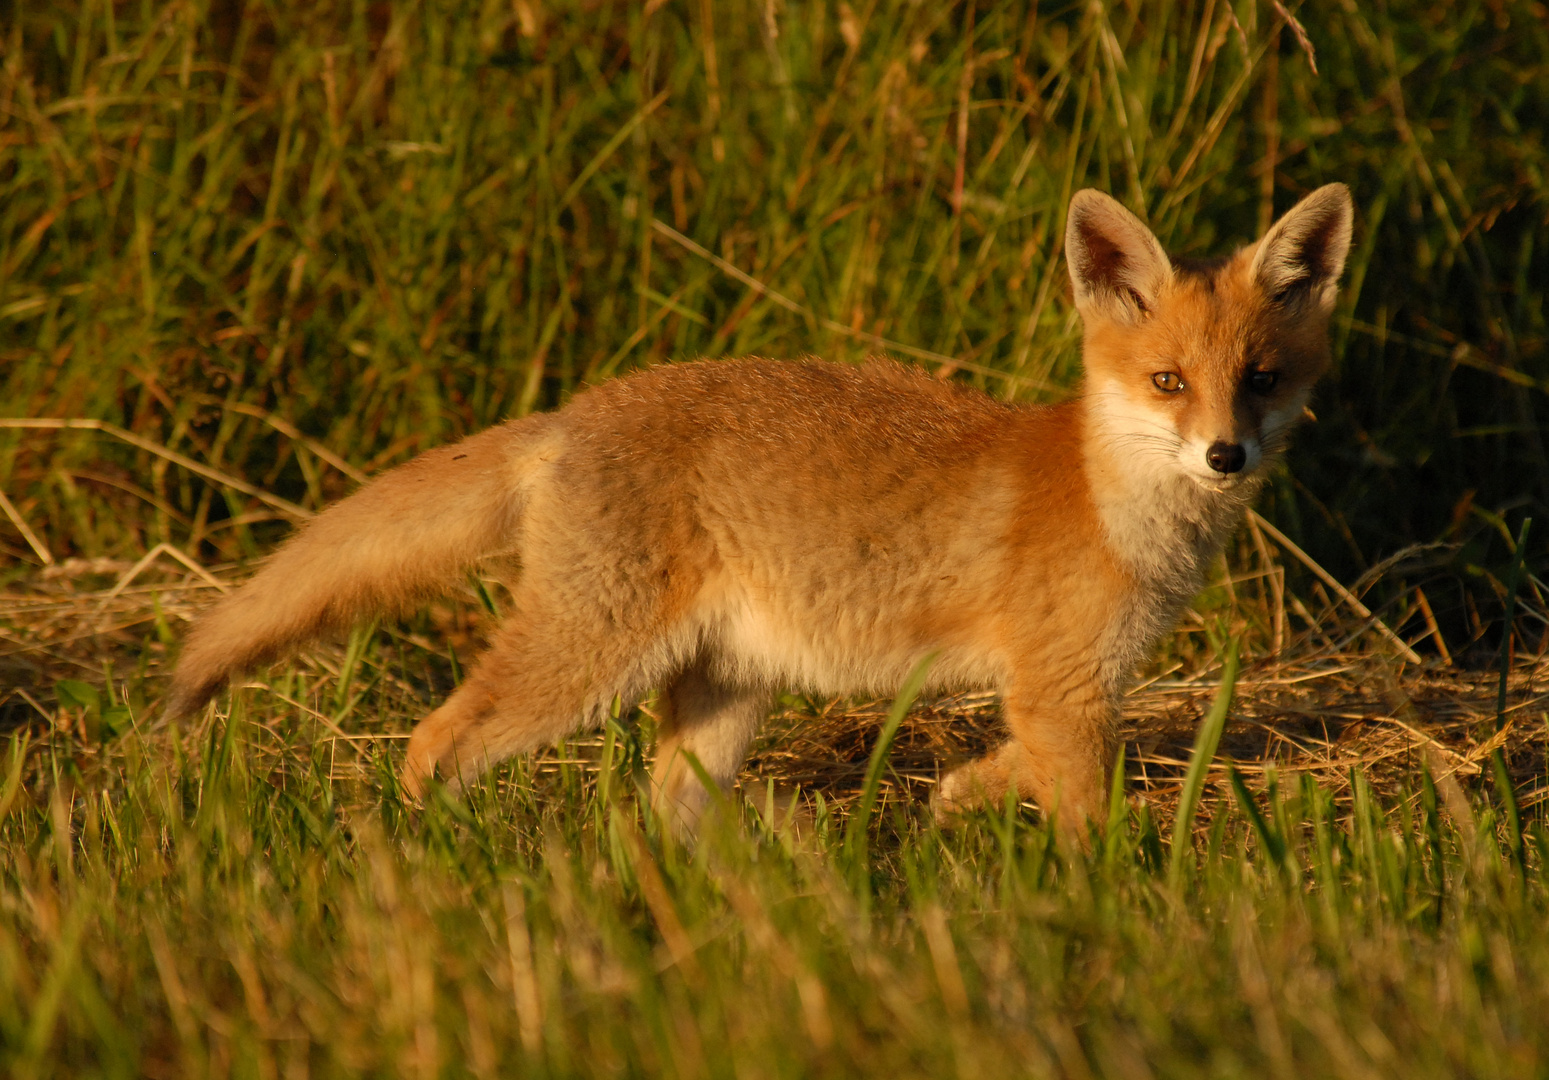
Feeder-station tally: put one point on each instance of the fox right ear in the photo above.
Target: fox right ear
(1303, 254)
(1116, 265)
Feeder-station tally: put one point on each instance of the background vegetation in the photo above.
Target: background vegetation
(388, 225)
(262, 250)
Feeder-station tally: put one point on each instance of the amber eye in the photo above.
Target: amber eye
(1168, 382)
(1262, 382)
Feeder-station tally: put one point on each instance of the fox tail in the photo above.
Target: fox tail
(409, 534)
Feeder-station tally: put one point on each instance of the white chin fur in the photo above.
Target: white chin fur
(1216, 482)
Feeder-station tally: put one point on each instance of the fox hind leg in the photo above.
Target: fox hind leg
(710, 720)
(539, 681)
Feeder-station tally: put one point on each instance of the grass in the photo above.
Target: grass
(252, 253)
(250, 897)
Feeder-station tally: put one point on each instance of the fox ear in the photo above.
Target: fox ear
(1303, 254)
(1116, 265)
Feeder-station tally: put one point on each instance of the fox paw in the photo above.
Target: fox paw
(414, 778)
(961, 790)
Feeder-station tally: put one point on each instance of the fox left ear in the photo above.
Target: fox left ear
(1303, 254)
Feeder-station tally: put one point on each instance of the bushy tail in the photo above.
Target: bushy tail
(411, 533)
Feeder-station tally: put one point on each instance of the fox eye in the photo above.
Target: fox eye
(1168, 382)
(1262, 382)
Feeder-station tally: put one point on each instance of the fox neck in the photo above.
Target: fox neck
(1162, 525)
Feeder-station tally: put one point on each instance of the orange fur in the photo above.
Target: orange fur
(719, 530)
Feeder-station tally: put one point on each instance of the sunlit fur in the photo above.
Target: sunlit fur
(720, 530)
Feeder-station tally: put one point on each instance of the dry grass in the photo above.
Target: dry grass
(1327, 717)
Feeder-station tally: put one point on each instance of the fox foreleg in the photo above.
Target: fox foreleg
(1058, 755)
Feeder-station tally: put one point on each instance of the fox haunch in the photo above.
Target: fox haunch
(721, 530)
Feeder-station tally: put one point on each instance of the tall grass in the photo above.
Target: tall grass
(388, 225)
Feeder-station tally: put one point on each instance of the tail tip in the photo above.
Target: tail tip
(188, 695)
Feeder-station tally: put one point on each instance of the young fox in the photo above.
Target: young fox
(720, 530)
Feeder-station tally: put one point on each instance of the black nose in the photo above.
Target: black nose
(1226, 457)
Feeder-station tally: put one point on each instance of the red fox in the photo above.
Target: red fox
(721, 529)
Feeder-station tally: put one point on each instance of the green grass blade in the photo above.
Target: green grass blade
(1205, 743)
(1114, 836)
(1273, 843)
(1508, 797)
(860, 816)
(1513, 583)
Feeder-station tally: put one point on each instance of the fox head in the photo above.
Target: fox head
(1202, 367)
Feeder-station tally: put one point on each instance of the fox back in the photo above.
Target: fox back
(719, 530)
